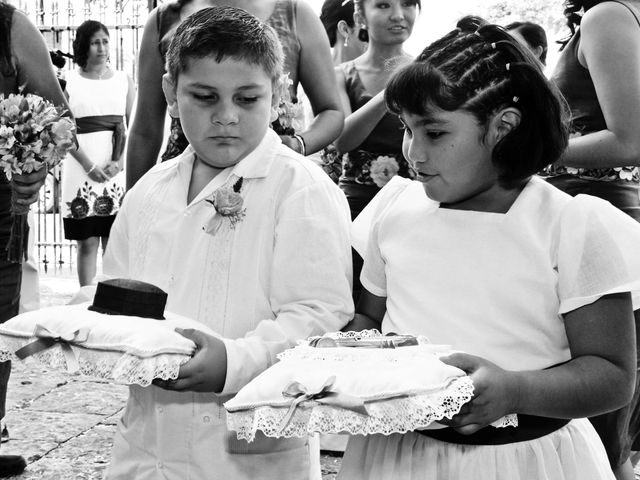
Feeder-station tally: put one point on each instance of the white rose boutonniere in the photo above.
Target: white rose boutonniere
(228, 204)
(383, 169)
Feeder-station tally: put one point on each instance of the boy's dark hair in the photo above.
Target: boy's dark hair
(482, 72)
(332, 12)
(534, 34)
(82, 42)
(224, 32)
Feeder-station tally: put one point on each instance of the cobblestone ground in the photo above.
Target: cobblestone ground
(63, 425)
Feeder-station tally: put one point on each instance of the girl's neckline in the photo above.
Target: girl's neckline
(105, 74)
(515, 206)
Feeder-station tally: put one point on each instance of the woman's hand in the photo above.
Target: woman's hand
(113, 168)
(495, 393)
(98, 174)
(206, 371)
(292, 143)
(27, 186)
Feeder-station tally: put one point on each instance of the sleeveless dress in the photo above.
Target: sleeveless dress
(619, 186)
(282, 20)
(89, 207)
(360, 179)
(10, 273)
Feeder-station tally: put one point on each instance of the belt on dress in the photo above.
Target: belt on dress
(530, 427)
(105, 123)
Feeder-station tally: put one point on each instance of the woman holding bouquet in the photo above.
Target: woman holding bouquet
(25, 67)
(307, 61)
(92, 185)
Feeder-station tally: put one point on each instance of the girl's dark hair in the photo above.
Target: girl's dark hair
(363, 35)
(6, 17)
(82, 42)
(332, 12)
(534, 35)
(572, 13)
(482, 72)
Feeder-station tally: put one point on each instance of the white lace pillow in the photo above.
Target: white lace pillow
(354, 390)
(120, 348)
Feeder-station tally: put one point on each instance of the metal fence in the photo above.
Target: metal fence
(58, 20)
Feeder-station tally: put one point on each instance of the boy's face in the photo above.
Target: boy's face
(224, 108)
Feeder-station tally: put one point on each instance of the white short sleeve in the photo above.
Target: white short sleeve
(598, 253)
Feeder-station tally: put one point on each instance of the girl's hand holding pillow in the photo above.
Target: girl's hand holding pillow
(495, 393)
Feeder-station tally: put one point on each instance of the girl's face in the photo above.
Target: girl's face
(99, 47)
(389, 21)
(452, 161)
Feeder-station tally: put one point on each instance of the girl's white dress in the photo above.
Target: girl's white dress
(492, 285)
(88, 98)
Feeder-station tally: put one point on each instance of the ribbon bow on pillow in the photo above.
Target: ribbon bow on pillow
(324, 395)
(47, 339)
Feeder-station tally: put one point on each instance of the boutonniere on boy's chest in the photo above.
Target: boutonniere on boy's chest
(229, 207)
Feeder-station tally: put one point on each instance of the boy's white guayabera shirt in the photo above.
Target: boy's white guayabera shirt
(282, 274)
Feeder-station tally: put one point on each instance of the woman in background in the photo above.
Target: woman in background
(598, 73)
(307, 60)
(530, 35)
(344, 37)
(92, 188)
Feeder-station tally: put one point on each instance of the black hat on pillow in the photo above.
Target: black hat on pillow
(123, 296)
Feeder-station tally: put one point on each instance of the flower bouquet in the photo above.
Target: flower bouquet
(33, 135)
(289, 114)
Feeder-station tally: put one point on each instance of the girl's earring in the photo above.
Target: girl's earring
(346, 41)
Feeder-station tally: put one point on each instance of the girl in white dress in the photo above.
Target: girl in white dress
(530, 283)
(92, 183)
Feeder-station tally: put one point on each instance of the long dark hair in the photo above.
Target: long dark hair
(573, 11)
(6, 18)
(82, 42)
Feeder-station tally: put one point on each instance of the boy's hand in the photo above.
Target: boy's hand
(495, 393)
(27, 186)
(206, 371)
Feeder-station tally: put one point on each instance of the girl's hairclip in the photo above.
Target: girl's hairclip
(515, 99)
(345, 2)
(493, 45)
(507, 66)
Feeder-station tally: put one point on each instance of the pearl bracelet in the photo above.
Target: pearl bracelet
(93, 167)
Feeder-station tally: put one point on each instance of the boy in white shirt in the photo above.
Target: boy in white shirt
(245, 236)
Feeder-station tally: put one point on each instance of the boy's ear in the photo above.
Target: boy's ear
(169, 89)
(504, 122)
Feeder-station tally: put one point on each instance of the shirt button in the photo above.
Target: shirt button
(160, 466)
(206, 419)
(171, 279)
(160, 409)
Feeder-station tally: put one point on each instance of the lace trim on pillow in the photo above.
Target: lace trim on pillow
(398, 415)
(117, 367)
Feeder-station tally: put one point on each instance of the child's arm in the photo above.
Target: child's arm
(598, 378)
(369, 312)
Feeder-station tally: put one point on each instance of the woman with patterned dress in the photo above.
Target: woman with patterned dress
(92, 188)
(372, 137)
(598, 72)
(307, 61)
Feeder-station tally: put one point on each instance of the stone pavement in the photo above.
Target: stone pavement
(62, 424)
